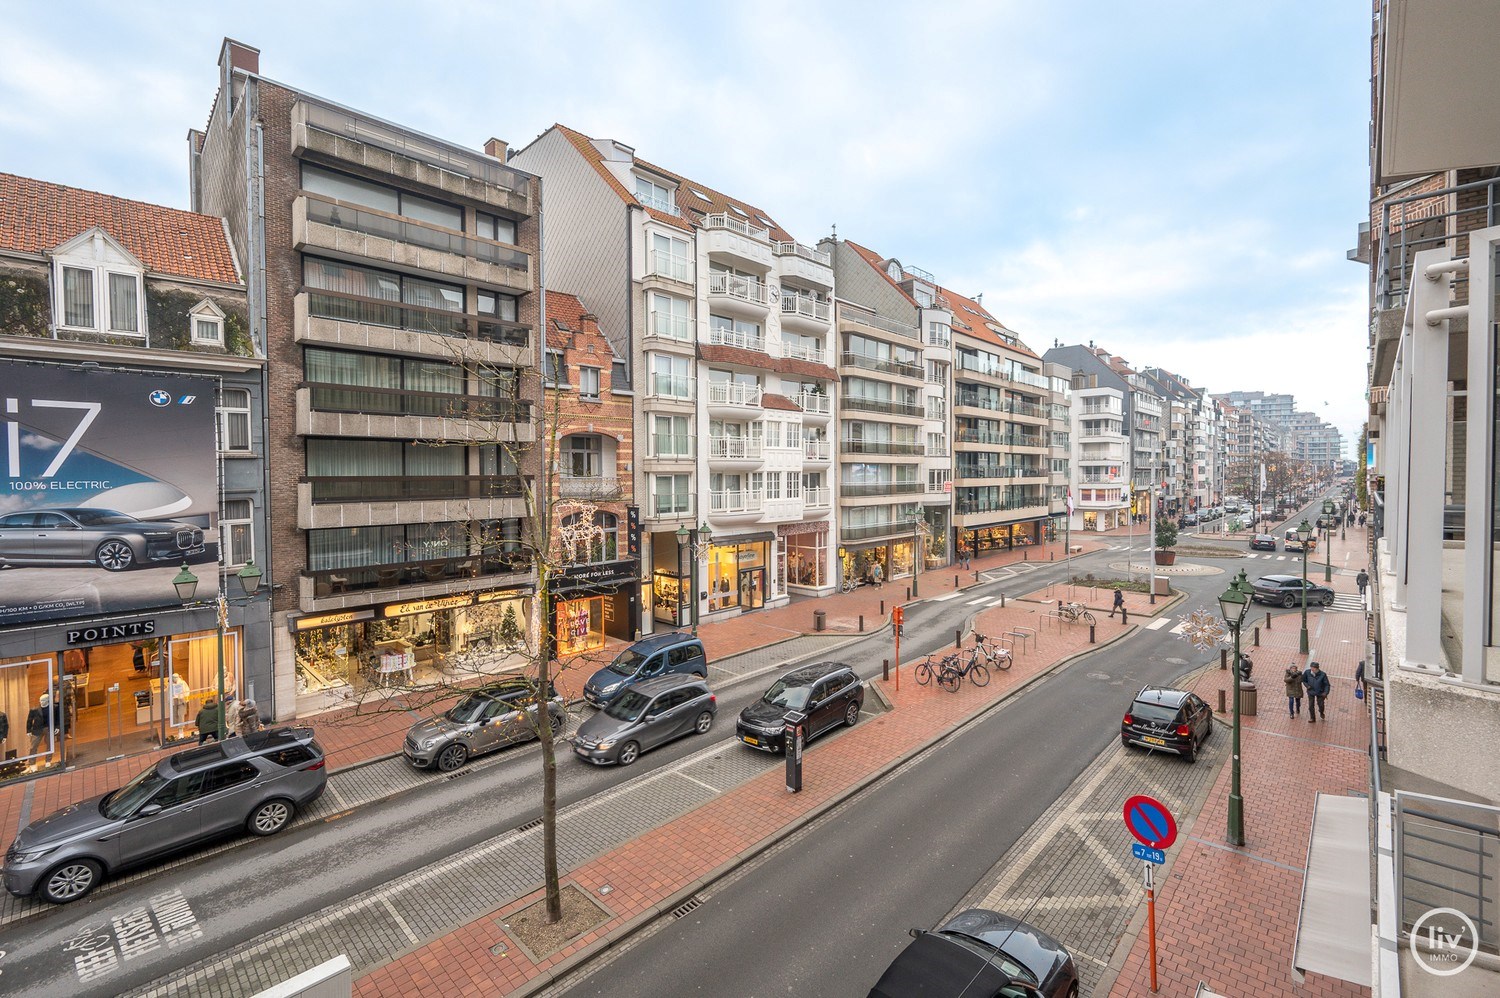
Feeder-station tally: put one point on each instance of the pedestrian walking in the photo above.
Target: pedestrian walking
(208, 720)
(249, 716)
(1292, 679)
(1318, 688)
(1119, 603)
(963, 558)
(1361, 519)
(877, 575)
(1362, 580)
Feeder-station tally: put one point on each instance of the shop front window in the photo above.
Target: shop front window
(736, 575)
(806, 556)
(900, 558)
(580, 625)
(26, 685)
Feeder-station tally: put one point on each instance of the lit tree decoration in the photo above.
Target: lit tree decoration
(1205, 629)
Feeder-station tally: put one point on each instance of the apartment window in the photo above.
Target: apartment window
(671, 317)
(669, 256)
(773, 433)
(367, 282)
(556, 374)
(400, 544)
(937, 445)
(670, 376)
(939, 334)
(923, 297)
(736, 333)
(590, 540)
(653, 195)
(501, 230)
(234, 420)
(345, 457)
(237, 528)
(772, 485)
(937, 480)
(503, 307)
(583, 455)
(673, 494)
(672, 436)
(341, 187)
(793, 485)
(207, 321)
(588, 383)
(99, 287)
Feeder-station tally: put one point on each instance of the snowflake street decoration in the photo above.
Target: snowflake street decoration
(1206, 630)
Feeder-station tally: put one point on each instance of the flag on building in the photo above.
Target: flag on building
(1070, 502)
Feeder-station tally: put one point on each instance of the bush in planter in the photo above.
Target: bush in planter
(1166, 535)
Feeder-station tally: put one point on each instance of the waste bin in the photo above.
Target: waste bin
(820, 620)
(1247, 698)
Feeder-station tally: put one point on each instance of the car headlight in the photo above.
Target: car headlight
(430, 743)
(32, 855)
(605, 746)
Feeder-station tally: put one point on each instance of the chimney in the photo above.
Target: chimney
(237, 55)
(589, 323)
(497, 148)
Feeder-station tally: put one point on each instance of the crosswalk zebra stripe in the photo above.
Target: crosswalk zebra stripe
(1157, 625)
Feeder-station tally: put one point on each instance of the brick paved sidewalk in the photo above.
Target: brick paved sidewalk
(677, 858)
(1228, 916)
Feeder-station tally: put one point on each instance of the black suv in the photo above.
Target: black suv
(1286, 590)
(829, 693)
(1168, 720)
(981, 952)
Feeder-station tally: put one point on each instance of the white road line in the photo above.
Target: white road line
(953, 595)
(982, 599)
(997, 601)
(1157, 625)
(410, 935)
(1180, 628)
(710, 788)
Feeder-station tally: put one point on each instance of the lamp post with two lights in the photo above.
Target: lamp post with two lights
(186, 584)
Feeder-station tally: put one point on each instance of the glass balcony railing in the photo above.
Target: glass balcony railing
(401, 402)
(671, 504)
(400, 488)
(886, 447)
(342, 307)
(660, 263)
(858, 403)
(672, 327)
(903, 369)
(416, 572)
(355, 219)
(672, 386)
(672, 445)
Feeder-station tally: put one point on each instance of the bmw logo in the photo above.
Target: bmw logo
(160, 398)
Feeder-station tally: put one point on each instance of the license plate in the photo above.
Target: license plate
(1153, 741)
(750, 741)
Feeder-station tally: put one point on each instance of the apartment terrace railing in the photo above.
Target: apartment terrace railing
(864, 490)
(343, 307)
(337, 581)
(719, 336)
(736, 501)
(402, 402)
(849, 446)
(919, 272)
(465, 163)
(939, 337)
(601, 487)
(813, 402)
(867, 530)
(1089, 410)
(661, 263)
(967, 506)
(672, 327)
(818, 497)
(816, 450)
(804, 351)
(735, 448)
(401, 488)
(793, 303)
(724, 220)
(744, 288)
(784, 248)
(672, 445)
(1423, 221)
(352, 218)
(671, 504)
(996, 471)
(734, 393)
(903, 369)
(1025, 408)
(881, 322)
(671, 386)
(856, 403)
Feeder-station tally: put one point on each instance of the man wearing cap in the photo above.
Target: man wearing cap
(1316, 681)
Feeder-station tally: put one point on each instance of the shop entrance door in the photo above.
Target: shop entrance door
(752, 588)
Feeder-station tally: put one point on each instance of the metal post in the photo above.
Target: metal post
(1302, 642)
(221, 611)
(1151, 920)
(1151, 498)
(1236, 801)
(1328, 554)
(916, 557)
(693, 576)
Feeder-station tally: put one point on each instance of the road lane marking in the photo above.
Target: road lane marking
(410, 935)
(1157, 625)
(982, 599)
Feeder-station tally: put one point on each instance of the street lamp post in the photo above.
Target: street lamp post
(1304, 534)
(186, 584)
(1233, 604)
(1327, 540)
(689, 538)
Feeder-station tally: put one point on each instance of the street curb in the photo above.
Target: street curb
(649, 915)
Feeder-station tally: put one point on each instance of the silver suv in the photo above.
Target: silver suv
(253, 782)
(484, 721)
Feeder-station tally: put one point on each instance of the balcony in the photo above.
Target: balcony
(727, 236)
(882, 447)
(803, 264)
(811, 352)
(327, 589)
(599, 488)
(732, 396)
(735, 504)
(864, 531)
(719, 336)
(664, 325)
(670, 388)
(898, 368)
(818, 498)
(672, 446)
(735, 450)
(671, 505)
(816, 408)
(817, 451)
(804, 311)
(669, 266)
(805, 252)
(851, 319)
(362, 501)
(336, 134)
(996, 471)
(345, 230)
(326, 410)
(866, 490)
(858, 403)
(743, 294)
(346, 320)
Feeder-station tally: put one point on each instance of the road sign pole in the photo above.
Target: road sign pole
(899, 616)
(1151, 922)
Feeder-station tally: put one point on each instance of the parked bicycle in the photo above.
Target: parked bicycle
(849, 584)
(994, 656)
(974, 669)
(1075, 612)
(944, 670)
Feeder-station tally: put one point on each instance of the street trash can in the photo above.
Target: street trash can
(820, 620)
(1247, 698)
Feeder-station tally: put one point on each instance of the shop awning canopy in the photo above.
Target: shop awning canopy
(1333, 930)
(760, 535)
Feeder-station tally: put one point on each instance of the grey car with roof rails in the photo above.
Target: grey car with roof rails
(646, 715)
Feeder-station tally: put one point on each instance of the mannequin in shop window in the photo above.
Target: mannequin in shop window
(44, 719)
(177, 695)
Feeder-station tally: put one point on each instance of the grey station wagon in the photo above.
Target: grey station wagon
(253, 782)
(646, 715)
(484, 721)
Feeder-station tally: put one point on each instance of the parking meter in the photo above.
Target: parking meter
(796, 724)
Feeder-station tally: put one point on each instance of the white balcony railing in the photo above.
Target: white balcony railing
(813, 402)
(735, 448)
(743, 288)
(805, 252)
(805, 351)
(664, 264)
(724, 220)
(734, 393)
(673, 327)
(795, 303)
(816, 450)
(818, 497)
(721, 336)
(735, 501)
(671, 386)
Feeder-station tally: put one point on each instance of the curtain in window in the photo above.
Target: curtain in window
(433, 376)
(423, 460)
(353, 458)
(78, 297)
(355, 547)
(430, 541)
(236, 419)
(339, 367)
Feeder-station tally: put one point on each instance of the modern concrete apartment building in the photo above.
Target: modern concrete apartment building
(722, 322)
(393, 279)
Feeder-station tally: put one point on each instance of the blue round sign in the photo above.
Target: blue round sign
(1149, 822)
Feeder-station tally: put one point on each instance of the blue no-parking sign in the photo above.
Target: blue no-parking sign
(1149, 822)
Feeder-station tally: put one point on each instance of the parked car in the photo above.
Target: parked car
(1263, 542)
(1294, 543)
(1286, 590)
(1189, 520)
(253, 782)
(980, 952)
(648, 714)
(658, 655)
(1168, 720)
(486, 720)
(80, 536)
(829, 693)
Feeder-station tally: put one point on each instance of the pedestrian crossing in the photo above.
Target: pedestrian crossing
(1269, 556)
(1347, 603)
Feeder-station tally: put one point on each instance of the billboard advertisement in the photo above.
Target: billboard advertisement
(110, 484)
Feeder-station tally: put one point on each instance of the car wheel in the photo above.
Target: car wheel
(452, 757)
(704, 722)
(1073, 990)
(851, 715)
(114, 556)
(67, 882)
(1289, 601)
(1328, 600)
(629, 752)
(271, 817)
(556, 722)
(1191, 755)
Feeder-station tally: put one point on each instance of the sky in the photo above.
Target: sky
(1178, 182)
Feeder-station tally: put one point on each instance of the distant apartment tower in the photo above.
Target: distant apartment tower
(392, 276)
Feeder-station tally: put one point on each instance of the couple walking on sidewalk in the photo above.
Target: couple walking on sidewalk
(1315, 681)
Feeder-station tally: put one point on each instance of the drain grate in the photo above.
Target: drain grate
(691, 904)
(533, 823)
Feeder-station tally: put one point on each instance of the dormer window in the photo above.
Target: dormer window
(207, 324)
(98, 286)
(653, 195)
(894, 270)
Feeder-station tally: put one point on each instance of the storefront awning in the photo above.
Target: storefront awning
(1333, 928)
(762, 535)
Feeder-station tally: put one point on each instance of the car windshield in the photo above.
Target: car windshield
(627, 662)
(99, 517)
(1153, 712)
(793, 696)
(1011, 967)
(467, 710)
(123, 802)
(628, 706)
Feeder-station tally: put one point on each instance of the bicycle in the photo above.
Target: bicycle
(849, 585)
(1074, 612)
(945, 672)
(994, 656)
(974, 669)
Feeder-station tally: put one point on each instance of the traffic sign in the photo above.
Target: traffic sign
(1149, 822)
(1147, 853)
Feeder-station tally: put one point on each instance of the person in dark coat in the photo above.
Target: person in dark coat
(1119, 602)
(208, 720)
(1292, 680)
(44, 717)
(1318, 688)
(249, 716)
(1362, 580)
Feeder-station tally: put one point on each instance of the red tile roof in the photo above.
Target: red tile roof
(565, 309)
(741, 357)
(770, 400)
(37, 216)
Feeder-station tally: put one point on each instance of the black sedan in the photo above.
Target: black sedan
(1286, 590)
(1263, 542)
(979, 952)
(829, 693)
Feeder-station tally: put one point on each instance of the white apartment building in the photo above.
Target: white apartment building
(1100, 473)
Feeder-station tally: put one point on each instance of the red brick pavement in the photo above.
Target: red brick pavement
(656, 866)
(1228, 916)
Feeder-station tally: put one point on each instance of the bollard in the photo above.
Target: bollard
(976, 578)
(1257, 637)
(908, 594)
(1051, 555)
(958, 639)
(861, 623)
(1025, 555)
(1002, 601)
(1223, 658)
(955, 582)
(1268, 620)
(1091, 634)
(1221, 701)
(882, 608)
(885, 669)
(1124, 617)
